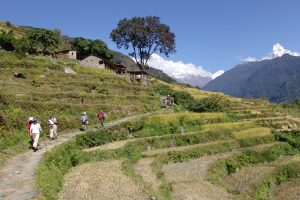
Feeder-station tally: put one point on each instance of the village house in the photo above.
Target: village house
(69, 53)
(93, 61)
(141, 76)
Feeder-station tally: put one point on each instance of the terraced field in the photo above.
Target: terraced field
(251, 151)
(49, 91)
(208, 156)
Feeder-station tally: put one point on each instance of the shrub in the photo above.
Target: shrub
(213, 103)
(162, 89)
(181, 97)
(287, 172)
(7, 40)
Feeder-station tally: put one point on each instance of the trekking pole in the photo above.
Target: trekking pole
(44, 141)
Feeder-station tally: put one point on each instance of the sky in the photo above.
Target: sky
(210, 34)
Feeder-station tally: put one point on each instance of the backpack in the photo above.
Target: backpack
(101, 115)
(84, 118)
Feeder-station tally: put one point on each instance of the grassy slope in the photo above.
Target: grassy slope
(48, 91)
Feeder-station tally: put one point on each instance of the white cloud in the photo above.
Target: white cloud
(278, 51)
(177, 69)
(248, 59)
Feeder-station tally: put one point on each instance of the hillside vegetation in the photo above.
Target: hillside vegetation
(49, 91)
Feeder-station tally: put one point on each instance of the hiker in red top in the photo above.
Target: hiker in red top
(101, 117)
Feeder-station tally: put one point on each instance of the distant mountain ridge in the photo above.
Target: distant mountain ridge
(186, 73)
(278, 79)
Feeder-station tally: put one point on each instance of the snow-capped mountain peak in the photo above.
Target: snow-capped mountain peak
(218, 73)
(279, 50)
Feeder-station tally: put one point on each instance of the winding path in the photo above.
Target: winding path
(17, 174)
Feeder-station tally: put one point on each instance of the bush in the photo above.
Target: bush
(287, 172)
(7, 40)
(183, 98)
(214, 103)
(97, 138)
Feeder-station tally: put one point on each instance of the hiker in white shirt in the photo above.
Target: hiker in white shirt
(52, 128)
(35, 130)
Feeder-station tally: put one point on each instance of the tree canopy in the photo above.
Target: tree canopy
(44, 39)
(145, 35)
(85, 47)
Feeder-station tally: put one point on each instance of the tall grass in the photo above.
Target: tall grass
(175, 117)
(252, 132)
(228, 126)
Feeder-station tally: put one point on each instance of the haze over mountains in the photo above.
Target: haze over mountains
(275, 76)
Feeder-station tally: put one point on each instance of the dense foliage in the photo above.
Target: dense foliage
(44, 39)
(145, 35)
(85, 47)
(7, 40)
(213, 103)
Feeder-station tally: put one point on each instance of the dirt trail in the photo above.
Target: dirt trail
(17, 174)
(100, 180)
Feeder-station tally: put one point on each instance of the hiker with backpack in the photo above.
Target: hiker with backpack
(29, 122)
(35, 130)
(101, 117)
(52, 128)
(170, 100)
(84, 121)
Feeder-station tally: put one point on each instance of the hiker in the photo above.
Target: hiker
(101, 117)
(170, 100)
(29, 122)
(165, 101)
(35, 130)
(84, 120)
(52, 128)
(82, 100)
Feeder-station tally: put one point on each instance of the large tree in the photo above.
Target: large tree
(44, 39)
(145, 35)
